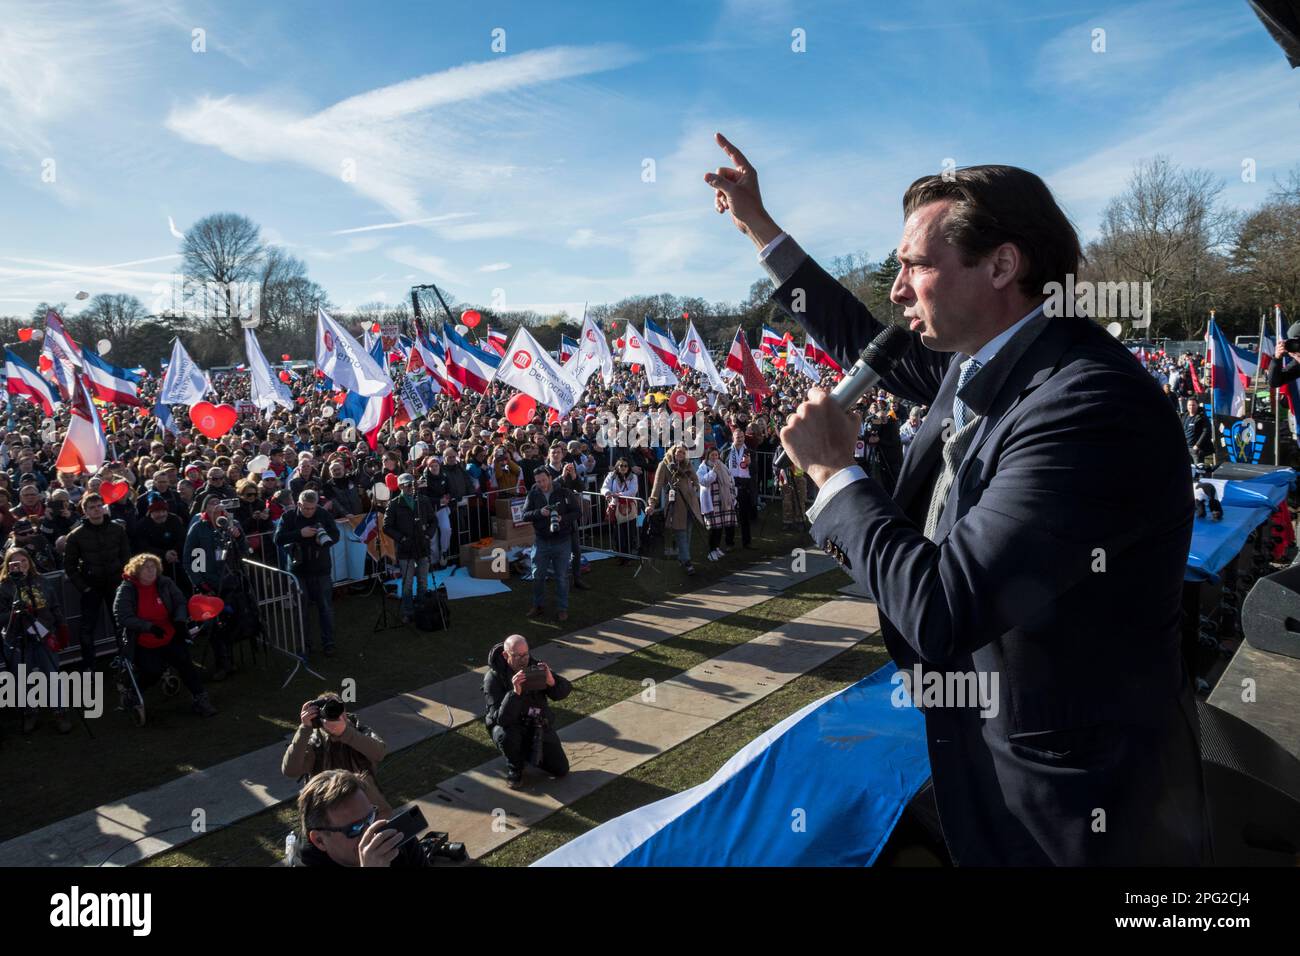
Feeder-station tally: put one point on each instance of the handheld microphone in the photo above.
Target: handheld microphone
(874, 362)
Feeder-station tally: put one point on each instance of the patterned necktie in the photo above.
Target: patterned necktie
(960, 413)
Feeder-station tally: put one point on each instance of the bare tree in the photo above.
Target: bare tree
(1163, 226)
(112, 316)
(1266, 255)
(222, 253)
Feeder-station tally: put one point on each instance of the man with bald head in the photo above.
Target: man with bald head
(518, 688)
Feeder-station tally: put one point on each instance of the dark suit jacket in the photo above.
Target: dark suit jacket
(1058, 567)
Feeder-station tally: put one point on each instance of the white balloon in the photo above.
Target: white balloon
(381, 492)
(81, 296)
(38, 334)
(418, 450)
(259, 465)
(327, 411)
(462, 330)
(103, 346)
(1115, 329)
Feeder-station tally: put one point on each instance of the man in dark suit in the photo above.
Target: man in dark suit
(1020, 553)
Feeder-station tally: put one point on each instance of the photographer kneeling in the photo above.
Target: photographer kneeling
(517, 689)
(152, 611)
(309, 532)
(329, 738)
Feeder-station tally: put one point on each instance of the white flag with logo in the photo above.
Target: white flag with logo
(345, 362)
(695, 355)
(636, 352)
(186, 383)
(531, 369)
(265, 389)
(592, 353)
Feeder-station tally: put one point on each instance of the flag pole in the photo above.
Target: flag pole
(1273, 396)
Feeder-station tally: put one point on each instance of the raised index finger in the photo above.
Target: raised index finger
(734, 154)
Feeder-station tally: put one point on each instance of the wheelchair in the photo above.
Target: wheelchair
(130, 696)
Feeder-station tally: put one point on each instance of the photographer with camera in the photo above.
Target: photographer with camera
(1289, 346)
(339, 825)
(552, 509)
(213, 549)
(28, 537)
(96, 552)
(34, 629)
(153, 613)
(162, 532)
(408, 520)
(518, 690)
(329, 738)
(308, 532)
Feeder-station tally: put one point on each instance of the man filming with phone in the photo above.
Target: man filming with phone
(518, 690)
(340, 826)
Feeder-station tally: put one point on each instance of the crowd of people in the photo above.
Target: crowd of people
(281, 489)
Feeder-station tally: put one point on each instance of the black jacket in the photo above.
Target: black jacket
(505, 708)
(160, 538)
(459, 482)
(410, 527)
(434, 487)
(560, 499)
(1198, 433)
(307, 558)
(1094, 708)
(95, 555)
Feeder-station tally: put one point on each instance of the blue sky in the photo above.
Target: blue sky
(519, 174)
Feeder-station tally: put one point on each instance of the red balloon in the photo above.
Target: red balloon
(635, 369)
(390, 480)
(679, 401)
(24, 335)
(470, 318)
(618, 343)
(204, 607)
(521, 409)
(374, 329)
(44, 363)
(285, 357)
(112, 491)
(213, 420)
(284, 377)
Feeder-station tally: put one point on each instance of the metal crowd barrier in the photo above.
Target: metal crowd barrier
(597, 534)
(280, 607)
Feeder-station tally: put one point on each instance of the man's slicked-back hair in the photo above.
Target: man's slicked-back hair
(996, 204)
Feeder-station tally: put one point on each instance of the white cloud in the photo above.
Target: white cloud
(399, 225)
(494, 267)
(388, 143)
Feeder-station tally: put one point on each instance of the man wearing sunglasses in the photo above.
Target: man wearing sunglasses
(339, 826)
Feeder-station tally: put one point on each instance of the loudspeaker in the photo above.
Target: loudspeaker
(1270, 615)
(1252, 788)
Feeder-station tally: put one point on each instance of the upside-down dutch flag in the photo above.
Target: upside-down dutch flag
(497, 341)
(109, 383)
(813, 351)
(84, 447)
(1226, 386)
(429, 354)
(663, 344)
(567, 347)
(468, 364)
(22, 379)
(369, 527)
(741, 360)
(770, 343)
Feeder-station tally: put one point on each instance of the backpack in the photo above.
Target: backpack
(431, 611)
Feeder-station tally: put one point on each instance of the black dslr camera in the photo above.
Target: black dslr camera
(331, 708)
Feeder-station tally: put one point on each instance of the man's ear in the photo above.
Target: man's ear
(317, 840)
(1005, 264)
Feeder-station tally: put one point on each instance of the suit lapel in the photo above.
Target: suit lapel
(1027, 361)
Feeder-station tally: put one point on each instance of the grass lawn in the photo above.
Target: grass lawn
(53, 777)
(415, 771)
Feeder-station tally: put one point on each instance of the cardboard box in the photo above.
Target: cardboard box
(511, 509)
(480, 560)
(505, 531)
